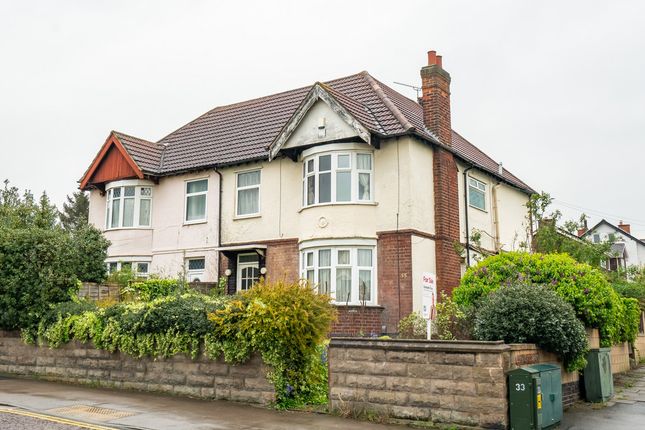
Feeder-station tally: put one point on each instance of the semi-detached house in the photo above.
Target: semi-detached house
(346, 183)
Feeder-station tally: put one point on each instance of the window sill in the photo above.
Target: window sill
(249, 216)
(126, 228)
(479, 209)
(356, 305)
(202, 221)
(338, 204)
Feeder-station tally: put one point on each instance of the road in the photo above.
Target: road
(17, 419)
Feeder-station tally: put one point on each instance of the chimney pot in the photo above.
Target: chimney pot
(432, 58)
(439, 60)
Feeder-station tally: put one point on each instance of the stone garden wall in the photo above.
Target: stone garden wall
(84, 364)
(440, 381)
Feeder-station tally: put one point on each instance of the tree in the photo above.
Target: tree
(548, 238)
(40, 262)
(18, 211)
(75, 211)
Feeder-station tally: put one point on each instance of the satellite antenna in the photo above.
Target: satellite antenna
(414, 87)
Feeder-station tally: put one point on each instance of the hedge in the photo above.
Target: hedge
(285, 323)
(584, 287)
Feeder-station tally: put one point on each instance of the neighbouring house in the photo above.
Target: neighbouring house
(626, 249)
(346, 183)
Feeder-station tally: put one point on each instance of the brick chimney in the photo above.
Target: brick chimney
(625, 227)
(435, 98)
(435, 101)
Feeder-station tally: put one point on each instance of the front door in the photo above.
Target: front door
(248, 271)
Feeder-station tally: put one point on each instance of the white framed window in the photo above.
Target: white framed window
(196, 192)
(346, 273)
(596, 238)
(195, 268)
(140, 268)
(337, 177)
(128, 206)
(476, 194)
(248, 270)
(248, 193)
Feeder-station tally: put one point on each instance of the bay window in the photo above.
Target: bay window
(128, 206)
(345, 273)
(337, 177)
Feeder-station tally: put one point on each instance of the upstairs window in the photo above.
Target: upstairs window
(128, 207)
(337, 178)
(248, 193)
(196, 192)
(476, 194)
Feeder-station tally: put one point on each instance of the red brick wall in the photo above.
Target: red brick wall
(358, 321)
(394, 277)
(282, 260)
(446, 199)
(435, 100)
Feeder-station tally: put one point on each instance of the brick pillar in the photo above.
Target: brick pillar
(394, 277)
(435, 100)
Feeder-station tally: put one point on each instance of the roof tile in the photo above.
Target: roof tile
(244, 131)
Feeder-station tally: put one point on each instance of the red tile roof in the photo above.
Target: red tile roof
(244, 131)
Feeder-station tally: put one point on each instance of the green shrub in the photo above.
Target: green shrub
(413, 326)
(36, 269)
(453, 321)
(585, 288)
(286, 324)
(151, 289)
(533, 314)
(90, 252)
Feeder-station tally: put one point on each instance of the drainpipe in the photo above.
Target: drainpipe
(466, 215)
(496, 216)
(219, 221)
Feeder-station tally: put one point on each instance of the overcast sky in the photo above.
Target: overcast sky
(553, 89)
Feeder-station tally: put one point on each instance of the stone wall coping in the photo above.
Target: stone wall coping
(420, 345)
(523, 347)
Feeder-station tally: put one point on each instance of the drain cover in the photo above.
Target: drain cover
(94, 413)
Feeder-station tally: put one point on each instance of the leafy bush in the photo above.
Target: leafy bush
(286, 324)
(585, 288)
(533, 314)
(413, 326)
(90, 252)
(162, 327)
(453, 321)
(151, 289)
(36, 268)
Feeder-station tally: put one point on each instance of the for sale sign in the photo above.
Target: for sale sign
(429, 295)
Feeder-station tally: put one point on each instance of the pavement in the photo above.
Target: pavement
(33, 404)
(27, 404)
(626, 410)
